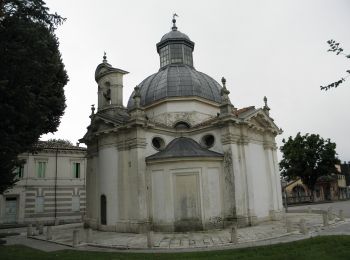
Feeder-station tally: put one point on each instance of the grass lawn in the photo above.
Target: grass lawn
(319, 248)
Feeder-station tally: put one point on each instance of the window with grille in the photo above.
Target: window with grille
(164, 56)
(188, 56)
(20, 171)
(41, 169)
(176, 53)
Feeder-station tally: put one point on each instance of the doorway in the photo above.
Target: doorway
(103, 210)
(11, 210)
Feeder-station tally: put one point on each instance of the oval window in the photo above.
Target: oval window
(158, 143)
(208, 141)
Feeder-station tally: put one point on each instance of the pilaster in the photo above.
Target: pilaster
(249, 187)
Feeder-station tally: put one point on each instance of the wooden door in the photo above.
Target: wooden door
(11, 210)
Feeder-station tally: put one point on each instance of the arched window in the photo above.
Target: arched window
(103, 210)
(181, 125)
(299, 191)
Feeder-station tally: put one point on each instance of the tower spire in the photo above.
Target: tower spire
(174, 28)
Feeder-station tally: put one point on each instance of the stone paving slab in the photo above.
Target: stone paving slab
(178, 240)
(267, 231)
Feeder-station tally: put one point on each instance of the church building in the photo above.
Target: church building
(179, 156)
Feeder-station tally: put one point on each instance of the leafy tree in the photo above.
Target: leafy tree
(334, 47)
(32, 77)
(308, 157)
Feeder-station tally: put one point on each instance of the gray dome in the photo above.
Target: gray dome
(177, 80)
(174, 35)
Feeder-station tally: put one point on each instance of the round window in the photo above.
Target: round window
(208, 141)
(158, 143)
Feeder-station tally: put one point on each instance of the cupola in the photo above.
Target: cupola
(175, 47)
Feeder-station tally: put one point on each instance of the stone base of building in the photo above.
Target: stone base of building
(179, 226)
(129, 226)
(132, 226)
(276, 215)
(244, 221)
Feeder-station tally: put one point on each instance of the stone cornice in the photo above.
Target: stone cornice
(172, 99)
(184, 159)
(230, 138)
(272, 128)
(270, 145)
(131, 144)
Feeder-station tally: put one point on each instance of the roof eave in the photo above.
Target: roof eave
(182, 159)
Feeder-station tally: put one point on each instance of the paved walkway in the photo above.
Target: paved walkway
(263, 234)
(335, 205)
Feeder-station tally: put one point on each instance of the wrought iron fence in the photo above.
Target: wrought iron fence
(298, 199)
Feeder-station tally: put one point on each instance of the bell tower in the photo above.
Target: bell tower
(110, 85)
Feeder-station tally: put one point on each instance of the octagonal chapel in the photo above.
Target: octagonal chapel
(179, 156)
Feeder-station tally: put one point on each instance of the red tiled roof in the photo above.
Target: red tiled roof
(242, 110)
(58, 145)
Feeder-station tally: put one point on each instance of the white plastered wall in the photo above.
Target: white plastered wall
(161, 178)
(260, 180)
(108, 181)
(92, 190)
(192, 112)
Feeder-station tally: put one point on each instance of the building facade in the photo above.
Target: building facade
(51, 187)
(179, 156)
(328, 188)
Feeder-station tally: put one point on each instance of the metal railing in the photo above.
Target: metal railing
(298, 199)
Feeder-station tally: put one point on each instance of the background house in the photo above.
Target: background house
(328, 188)
(51, 186)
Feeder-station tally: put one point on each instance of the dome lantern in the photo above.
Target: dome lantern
(175, 47)
(176, 77)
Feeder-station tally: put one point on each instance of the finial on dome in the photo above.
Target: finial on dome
(224, 92)
(92, 109)
(137, 96)
(104, 57)
(174, 28)
(137, 91)
(223, 81)
(266, 107)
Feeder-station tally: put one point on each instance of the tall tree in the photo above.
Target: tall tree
(308, 157)
(335, 47)
(32, 77)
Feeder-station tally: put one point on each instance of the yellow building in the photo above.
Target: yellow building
(330, 187)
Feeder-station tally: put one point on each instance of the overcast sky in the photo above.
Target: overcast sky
(272, 48)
